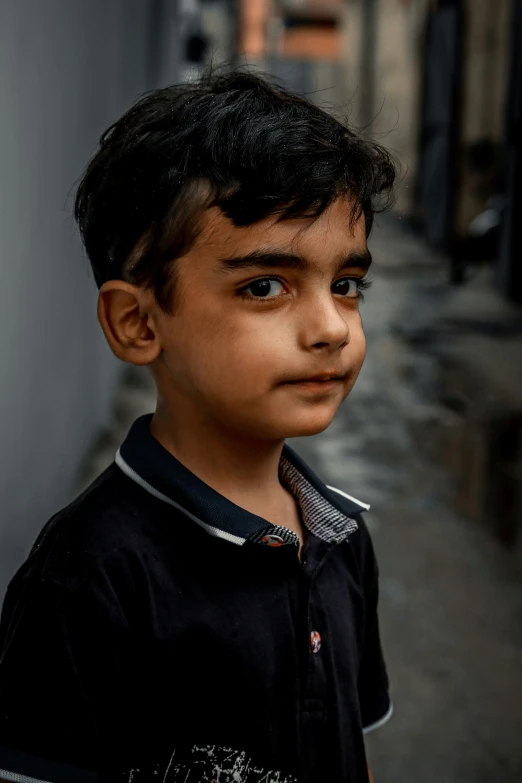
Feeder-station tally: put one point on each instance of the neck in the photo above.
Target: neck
(244, 470)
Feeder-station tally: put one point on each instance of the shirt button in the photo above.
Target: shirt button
(273, 540)
(315, 641)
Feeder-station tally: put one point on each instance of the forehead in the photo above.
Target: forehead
(330, 234)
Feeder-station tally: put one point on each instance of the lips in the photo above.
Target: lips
(324, 377)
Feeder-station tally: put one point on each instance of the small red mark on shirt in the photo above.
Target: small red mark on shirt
(315, 641)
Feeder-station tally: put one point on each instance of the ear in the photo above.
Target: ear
(126, 315)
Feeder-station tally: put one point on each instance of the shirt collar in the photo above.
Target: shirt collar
(143, 459)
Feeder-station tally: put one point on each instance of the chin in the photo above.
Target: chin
(310, 425)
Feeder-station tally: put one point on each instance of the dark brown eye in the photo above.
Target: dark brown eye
(264, 289)
(346, 287)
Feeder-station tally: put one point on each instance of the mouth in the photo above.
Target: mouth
(324, 383)
(318, 385)
(326, 377)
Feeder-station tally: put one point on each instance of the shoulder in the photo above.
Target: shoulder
(107, 518)
(91, 556)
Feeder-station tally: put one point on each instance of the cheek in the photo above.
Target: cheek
(253, 349)
(356, 331)
(360, 346)
(356, 350)
(217, 353)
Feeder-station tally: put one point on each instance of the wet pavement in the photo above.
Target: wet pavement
(451, 596)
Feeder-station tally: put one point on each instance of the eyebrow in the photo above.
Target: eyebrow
(259, 259)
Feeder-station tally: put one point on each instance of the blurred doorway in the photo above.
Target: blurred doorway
(439, 121)
(510, 262)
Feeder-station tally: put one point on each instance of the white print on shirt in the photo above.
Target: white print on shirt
(211, 764)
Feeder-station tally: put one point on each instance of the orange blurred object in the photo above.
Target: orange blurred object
(315, 43)
(253, 20)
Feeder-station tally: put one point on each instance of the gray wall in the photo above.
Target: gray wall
(67, 69)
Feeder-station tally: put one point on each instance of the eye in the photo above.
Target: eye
(266, 288)
(351, 287)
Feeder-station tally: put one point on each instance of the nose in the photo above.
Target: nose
(325, 326)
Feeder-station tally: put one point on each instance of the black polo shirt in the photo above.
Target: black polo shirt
(159, 632)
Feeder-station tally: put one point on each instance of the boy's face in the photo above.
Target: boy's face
(257, 309)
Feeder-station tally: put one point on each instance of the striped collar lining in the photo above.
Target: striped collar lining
(320, 518)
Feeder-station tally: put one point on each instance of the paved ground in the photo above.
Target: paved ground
(451, 597)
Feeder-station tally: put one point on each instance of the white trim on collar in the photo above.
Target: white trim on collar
(17, 777)
(214, 531)
(310, 500)
(349, 497)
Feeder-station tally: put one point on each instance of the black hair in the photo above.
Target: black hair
(235, 140)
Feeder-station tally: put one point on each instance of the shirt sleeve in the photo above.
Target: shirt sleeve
(58, 673)
(373, 684)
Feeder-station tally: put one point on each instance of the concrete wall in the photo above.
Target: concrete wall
(397, 95)
(382, 52)
(383, 56)
(67, 69)
(485, 72)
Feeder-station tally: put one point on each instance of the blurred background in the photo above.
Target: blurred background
(431, 436)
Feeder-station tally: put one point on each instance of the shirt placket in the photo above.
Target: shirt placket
(313, 656)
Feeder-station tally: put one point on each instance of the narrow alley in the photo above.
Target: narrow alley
(430, 437)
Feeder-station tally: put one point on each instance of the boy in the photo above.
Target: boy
(207, 609)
